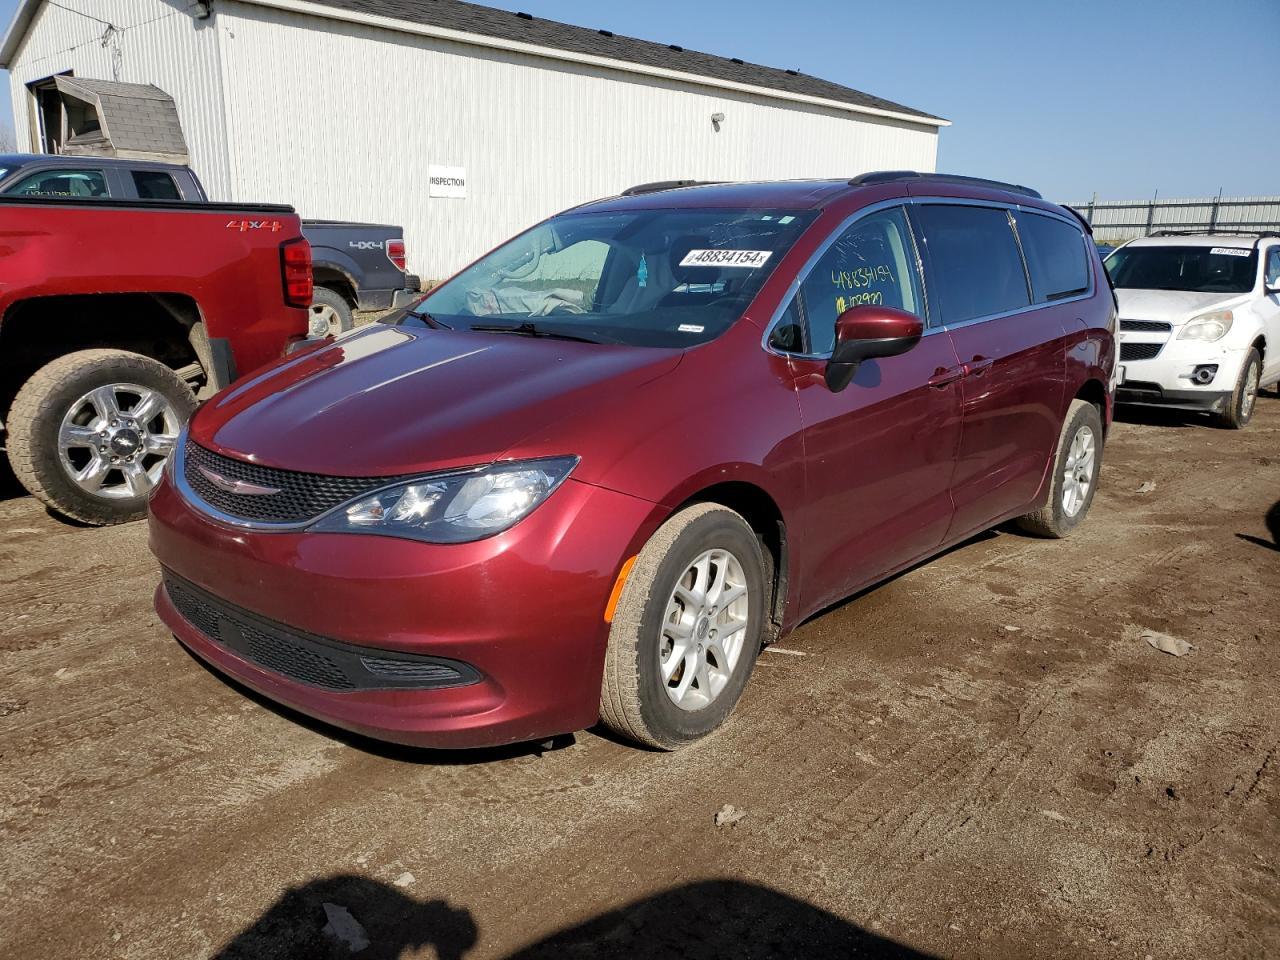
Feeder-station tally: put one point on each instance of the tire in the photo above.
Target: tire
(330, 310)
(1068, 503)
(634, 698)
(77, 394)
(1244, 398)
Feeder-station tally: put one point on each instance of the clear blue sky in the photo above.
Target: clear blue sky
(1122, 97)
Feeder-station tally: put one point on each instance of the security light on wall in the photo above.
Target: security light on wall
(200, 10)
(716, 120)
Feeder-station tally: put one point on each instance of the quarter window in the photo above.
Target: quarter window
(973, 265)
(872, 262)
(1055, 254)
(62, 183)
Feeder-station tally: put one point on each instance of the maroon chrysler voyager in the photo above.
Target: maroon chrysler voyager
(587, 478)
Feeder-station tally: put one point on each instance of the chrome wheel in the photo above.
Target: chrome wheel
(114, 440)
(704, 630)
(324, 321)
(1250, 394)
(1077, 475)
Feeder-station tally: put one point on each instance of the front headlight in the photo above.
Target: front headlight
(1207, 326)
(453, 507)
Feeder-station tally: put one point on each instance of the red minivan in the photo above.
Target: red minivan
(588, 477)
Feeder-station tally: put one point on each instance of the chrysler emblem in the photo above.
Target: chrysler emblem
(242, 487)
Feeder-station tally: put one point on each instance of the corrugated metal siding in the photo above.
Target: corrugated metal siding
(342, 121)
(157, 43)
(1118, 220)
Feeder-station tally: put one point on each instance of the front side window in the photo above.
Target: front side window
(1273, 267)
(155, 185)
(1055, 252)
(1187, 268)
(62, 183)
(973, 265)
(664, 278)
(872, 262)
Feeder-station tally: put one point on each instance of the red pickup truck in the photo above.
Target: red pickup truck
(115, 316)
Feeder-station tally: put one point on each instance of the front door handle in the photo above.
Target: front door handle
(944, 375)
(977, 366)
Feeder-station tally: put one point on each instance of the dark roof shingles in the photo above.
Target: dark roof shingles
(502, 24)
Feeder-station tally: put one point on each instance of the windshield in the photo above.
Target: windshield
(661, 278)
(1193, 269)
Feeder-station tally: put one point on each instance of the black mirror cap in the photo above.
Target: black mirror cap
(846, 358)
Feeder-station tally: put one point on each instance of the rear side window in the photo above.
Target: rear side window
(872, 262)
(62, 183)
(1055, 254)
(155, 185)
(973, 265)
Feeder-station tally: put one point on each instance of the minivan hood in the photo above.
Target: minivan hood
(1173, 306)
(394, 400)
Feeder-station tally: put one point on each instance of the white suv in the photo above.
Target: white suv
(1199, 321)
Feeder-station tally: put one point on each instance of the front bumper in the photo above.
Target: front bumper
(521, 615)
(1165, 380)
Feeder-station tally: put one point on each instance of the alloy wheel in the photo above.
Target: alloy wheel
(324, 320)
(1250, 394)
(1077, 474)
(114, 440)
(704, 630)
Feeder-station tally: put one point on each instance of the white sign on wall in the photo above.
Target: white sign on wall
(448, 182)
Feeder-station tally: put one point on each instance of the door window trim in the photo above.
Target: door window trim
(1011, 209)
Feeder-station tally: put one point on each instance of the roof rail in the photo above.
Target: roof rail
(891, 176)
(1260, 234)
(660, 185)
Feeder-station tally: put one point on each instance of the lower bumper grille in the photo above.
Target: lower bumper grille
(1139, 351)
(306, 658)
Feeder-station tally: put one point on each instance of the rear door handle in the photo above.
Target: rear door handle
(945, 375)
(977, 366)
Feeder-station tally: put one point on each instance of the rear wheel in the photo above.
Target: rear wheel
(686, 630)
(1245, 395)
(1075, 474)
(89, 433)
(330, 313)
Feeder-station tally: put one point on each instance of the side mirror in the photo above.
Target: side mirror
(1273, 287)
(867, 332)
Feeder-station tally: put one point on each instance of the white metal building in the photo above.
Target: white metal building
(346, 109)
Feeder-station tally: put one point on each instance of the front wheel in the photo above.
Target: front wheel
(1076, 466)
(89, 433)
(686, 630)
(1245, 395)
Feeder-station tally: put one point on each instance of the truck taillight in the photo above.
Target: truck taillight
(295, 271)
(395, 253)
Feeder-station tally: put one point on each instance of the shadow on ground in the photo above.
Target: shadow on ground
(700, 921)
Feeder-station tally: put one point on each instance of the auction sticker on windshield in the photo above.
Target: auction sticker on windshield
(726, 258)
(1230, 252)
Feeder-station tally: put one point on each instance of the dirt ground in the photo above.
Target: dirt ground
(980, 758)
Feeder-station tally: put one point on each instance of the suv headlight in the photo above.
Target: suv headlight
(453, 507)
(1207, 326)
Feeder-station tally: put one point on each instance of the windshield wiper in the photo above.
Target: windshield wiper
(527, 328)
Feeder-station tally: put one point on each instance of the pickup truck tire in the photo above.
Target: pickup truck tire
(330, 313)
(686, 629)
(1245, 395)
(1076, 465)
(89, 432)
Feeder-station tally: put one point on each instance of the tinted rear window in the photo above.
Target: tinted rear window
(155, 185)
(1055, 257)
(973, 268)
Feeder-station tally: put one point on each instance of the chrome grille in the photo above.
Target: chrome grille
(301, 496)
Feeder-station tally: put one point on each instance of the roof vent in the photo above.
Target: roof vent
(524, 16)
(675, 47)
(605, 33)
(794, 73)
(736, 60)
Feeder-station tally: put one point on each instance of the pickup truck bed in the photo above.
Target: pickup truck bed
(112, 312)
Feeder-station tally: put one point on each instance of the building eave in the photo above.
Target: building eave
(17, 31)
(570, 56)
